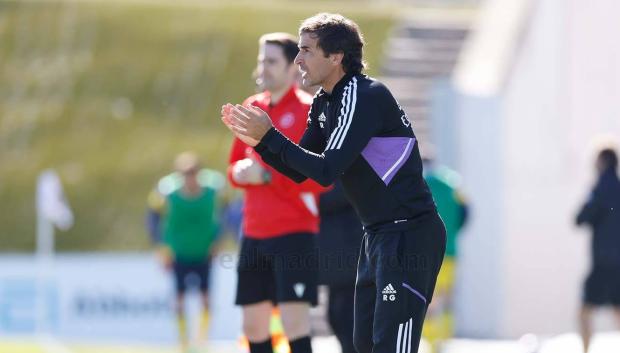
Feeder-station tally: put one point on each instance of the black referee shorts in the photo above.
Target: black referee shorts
(397, 271)
(281, 269)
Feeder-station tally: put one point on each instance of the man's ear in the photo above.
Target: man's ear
(336, 59)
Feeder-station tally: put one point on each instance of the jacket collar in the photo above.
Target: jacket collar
(339, 87)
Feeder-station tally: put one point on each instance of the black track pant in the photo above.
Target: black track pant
(397, 271)
(340, 312)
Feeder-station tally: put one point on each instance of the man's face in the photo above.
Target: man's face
(313, 64)
(274, 72)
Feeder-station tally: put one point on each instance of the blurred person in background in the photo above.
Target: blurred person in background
(182, 219)
(280, 217)
(339, 241)
(602, 213)
(444, 185)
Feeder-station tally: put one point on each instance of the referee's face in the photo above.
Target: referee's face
(315, 67)
(275, 73)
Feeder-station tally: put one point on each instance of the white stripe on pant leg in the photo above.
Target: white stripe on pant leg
(405, 337)
(400, 329)
(410, 326)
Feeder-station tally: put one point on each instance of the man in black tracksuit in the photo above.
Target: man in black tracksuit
(357, 132)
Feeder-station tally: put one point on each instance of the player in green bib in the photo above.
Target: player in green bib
(184, 207)
(189, 224)
(444, 184)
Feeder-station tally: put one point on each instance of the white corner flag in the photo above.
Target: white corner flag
(52, 210)
(52, 205)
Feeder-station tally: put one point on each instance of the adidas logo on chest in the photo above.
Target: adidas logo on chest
(322, 119)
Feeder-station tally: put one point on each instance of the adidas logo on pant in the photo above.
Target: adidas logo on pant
(389, 293)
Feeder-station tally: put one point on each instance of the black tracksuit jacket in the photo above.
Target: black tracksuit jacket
(358, 133)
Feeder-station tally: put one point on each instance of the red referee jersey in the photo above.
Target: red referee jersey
(282, 206)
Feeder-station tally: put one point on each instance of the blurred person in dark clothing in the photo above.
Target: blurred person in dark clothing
(339, 241)
(602, 213)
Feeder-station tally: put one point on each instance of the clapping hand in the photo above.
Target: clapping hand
(248, 123)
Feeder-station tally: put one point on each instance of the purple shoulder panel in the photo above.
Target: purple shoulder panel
(386, 155)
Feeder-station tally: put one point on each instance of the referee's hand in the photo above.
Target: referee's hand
(249, 172)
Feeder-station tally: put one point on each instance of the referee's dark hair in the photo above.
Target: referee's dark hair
(286, 41)
(609, 158)
(337, 34)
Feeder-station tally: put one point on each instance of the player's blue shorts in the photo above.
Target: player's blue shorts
(186, 272)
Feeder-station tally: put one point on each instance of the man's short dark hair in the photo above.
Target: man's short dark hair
(287, 42)
(337, 34)
(609, 157)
